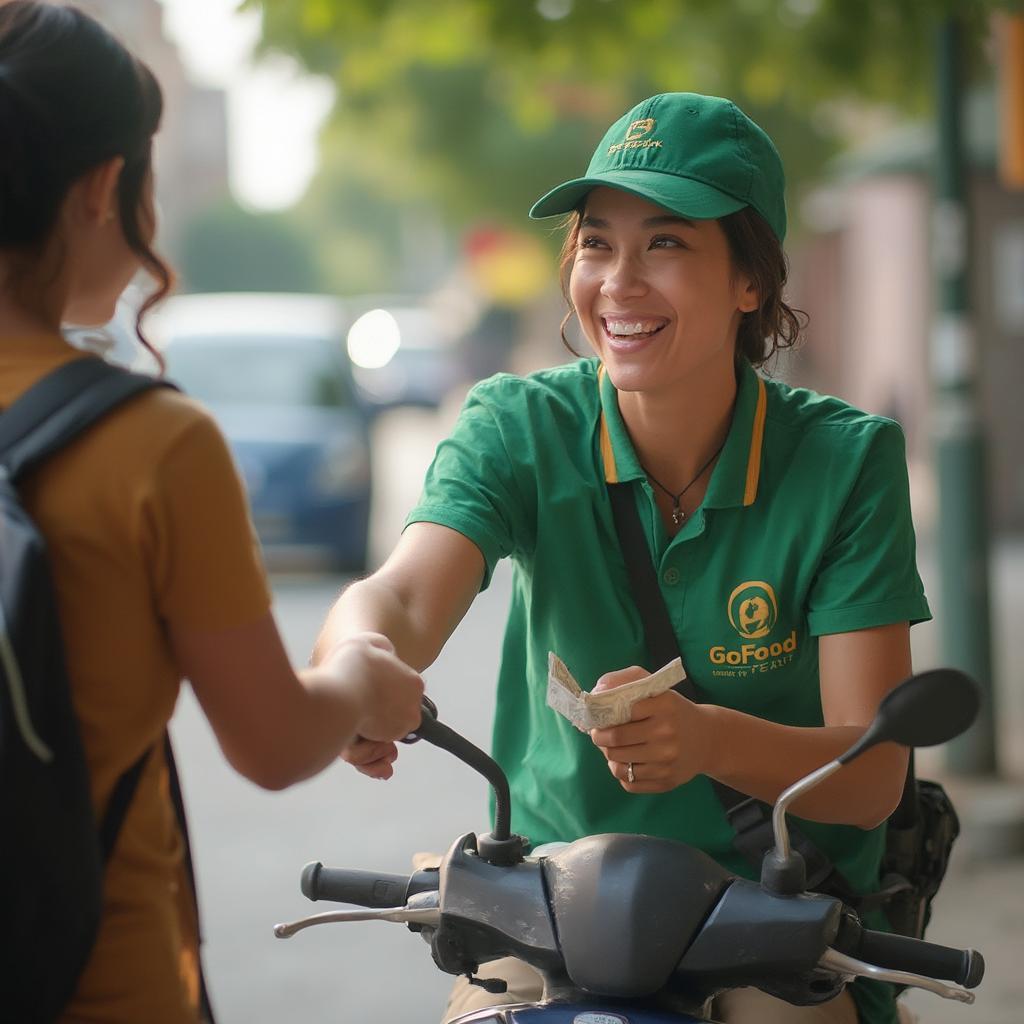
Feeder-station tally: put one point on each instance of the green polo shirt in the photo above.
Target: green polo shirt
(805, 530)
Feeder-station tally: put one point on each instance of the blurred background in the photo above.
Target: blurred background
(343, 187)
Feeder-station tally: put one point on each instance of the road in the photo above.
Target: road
(250, 845)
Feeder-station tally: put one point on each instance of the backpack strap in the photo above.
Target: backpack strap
(750, 819)
(117, 807)
(113, 819)
(174, 786)
(62, 405)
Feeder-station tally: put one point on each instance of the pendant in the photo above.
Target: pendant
(678, 515)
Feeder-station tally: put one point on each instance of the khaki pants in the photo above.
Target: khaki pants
(741, 1006)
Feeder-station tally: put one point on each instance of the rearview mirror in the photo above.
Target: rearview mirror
(923, 711)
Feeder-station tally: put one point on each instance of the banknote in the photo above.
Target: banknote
(609, 707)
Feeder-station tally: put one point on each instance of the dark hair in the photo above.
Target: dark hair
(755, 252)
(71, 98)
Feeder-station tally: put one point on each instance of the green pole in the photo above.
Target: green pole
(958, 442)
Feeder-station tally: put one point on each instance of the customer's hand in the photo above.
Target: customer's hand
(387, 695)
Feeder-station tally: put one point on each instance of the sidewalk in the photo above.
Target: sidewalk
(981, 904)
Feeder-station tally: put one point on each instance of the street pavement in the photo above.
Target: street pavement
(250, 845)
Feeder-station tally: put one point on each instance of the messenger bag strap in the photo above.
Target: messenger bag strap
(750, 819)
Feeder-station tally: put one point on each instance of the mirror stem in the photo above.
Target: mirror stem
(794, 792)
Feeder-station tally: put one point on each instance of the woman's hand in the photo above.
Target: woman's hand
(667, 740)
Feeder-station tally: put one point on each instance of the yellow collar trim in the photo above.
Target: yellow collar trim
(611, 472)
(756, 443)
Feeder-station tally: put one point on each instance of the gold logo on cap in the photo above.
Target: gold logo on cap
(635, 137)
(638, 129)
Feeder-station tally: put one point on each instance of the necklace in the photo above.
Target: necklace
(678, 515)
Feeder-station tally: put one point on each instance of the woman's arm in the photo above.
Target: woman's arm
(670, 739)
(276, 726)
(416, 599)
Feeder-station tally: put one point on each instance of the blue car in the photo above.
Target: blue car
(274, 371)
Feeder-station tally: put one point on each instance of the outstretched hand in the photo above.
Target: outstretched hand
(388, 694)
(665, 741)
(372, 758)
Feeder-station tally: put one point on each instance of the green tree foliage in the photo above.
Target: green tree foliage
(228, 248)
(480, 106)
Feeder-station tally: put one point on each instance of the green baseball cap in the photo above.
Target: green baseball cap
(698, 156)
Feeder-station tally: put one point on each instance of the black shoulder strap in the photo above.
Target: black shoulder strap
(113, 819)
(662, 645)
(117, 807)
(59, 407)
(750, 819)
(174, 785)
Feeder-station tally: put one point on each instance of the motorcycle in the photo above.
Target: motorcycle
(633, 929)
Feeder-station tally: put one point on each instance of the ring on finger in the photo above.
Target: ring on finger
(630, 774)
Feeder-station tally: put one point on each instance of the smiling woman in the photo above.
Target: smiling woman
(777, 520)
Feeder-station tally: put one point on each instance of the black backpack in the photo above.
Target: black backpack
(52, 850)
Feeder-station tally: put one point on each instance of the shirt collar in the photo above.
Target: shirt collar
(735, 478)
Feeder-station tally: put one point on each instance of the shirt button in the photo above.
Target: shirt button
(671, 577)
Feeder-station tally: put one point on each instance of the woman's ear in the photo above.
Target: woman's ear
(98, 190)
(750, 297)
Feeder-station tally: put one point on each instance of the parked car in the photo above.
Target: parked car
(402, 352)
(274, 371)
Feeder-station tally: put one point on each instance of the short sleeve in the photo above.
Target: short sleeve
(868, 576)
(207, 571)
(471, 485)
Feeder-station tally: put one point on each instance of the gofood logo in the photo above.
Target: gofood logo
(753, 611)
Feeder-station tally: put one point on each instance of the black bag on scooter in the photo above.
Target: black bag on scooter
(919, 839)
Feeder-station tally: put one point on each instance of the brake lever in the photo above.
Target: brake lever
(840, 963)
(426, 913)
(427, 718)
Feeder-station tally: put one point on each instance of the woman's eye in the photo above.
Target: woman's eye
(667, 242)
(591, 242)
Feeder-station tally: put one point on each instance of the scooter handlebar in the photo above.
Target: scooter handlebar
(363, 888)
(915, 956)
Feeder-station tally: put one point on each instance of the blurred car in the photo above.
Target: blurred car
(274, 372)
(402, 353)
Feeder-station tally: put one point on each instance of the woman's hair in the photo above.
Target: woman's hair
(756, 253)
(71, 98)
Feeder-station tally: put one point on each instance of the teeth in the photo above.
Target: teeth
(625, 328)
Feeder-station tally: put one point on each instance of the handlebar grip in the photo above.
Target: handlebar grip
(898, 952)
(428, 723)
(362, 888)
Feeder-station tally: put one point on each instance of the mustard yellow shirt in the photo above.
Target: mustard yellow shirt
(146, 524)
